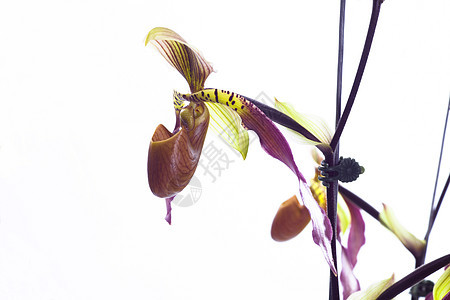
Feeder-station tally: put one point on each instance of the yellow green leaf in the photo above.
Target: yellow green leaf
(373, 291)
(343, 216)
(313, 124)
(413, 244)
(442, 286)
(182, 56)
(228, 124)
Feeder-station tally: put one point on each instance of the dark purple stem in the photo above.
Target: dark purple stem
(359, 73)
(414, 277)
(434, 211)
(359, 202)
(332, 190)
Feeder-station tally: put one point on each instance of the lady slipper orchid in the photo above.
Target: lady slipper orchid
(292, 218)
(177, 155)
(172, 162)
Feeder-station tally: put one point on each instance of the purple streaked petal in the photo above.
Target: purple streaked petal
(446, 297)
(168, 217)
(350, 283)
(356, 240)
(275, 144)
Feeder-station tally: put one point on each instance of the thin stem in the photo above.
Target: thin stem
(332, 190)
(441, 199)
(340, 62)
(359, 73)
(414, 277)
(359, 202)
(433, 211)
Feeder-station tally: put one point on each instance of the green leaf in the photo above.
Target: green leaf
(442, 286)
(182, 56)
(413, 244)
(343, 215)
(313, 124)
(373, 291)
(228, 124)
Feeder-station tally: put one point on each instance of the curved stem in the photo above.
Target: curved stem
(414, 277)
(359, 73)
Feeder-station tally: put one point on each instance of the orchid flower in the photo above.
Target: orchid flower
(292, 218)
(173, 156)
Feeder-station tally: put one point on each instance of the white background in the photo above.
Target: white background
(80, 97)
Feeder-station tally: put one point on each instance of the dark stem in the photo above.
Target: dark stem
(433, 211)
(332, 190)
(441, 199)
(282, 119)
(286, 121)
(340, 62)
(414, 277)
(359, 202)
(359, 73)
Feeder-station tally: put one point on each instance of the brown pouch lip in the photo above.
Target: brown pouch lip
(290, 220)
(173, 158)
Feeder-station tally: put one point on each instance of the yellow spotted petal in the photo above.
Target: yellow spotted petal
(313, 124)
(178, 103)
(318, 191)
(373, 291)
(275, 144)
(228, 124)
(182, 56)
(442, 286)
(413, 244)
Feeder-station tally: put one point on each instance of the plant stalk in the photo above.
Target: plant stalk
(333, 158)
(414, 277)
(359, 73)
(348, 195)
(433, 211)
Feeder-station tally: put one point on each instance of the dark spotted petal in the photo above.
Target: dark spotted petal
(274, 143)
(183, 57)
